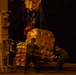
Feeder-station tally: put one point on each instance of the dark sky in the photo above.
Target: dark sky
(60, 16)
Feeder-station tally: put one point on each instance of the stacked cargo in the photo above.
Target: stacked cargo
(21, 54)
(41, 36)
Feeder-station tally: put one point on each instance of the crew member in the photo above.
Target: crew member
(62, 56)
(31, 50)
(12, 53)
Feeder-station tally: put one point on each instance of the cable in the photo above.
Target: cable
(14, 26)
(42, 16)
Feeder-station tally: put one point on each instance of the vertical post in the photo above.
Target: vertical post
(3, 37)
(3, 30)
(1, 62)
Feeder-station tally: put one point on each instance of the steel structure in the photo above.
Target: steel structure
(4, 24)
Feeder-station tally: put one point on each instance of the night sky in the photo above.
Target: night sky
(60, 17)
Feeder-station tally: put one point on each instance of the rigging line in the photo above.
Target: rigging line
(16, 17)
(14, 28)
(40, 16)
(15, 25)
(15, 21)
(23, 10)
(27, 18)
(37, 15)
(43, 17)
